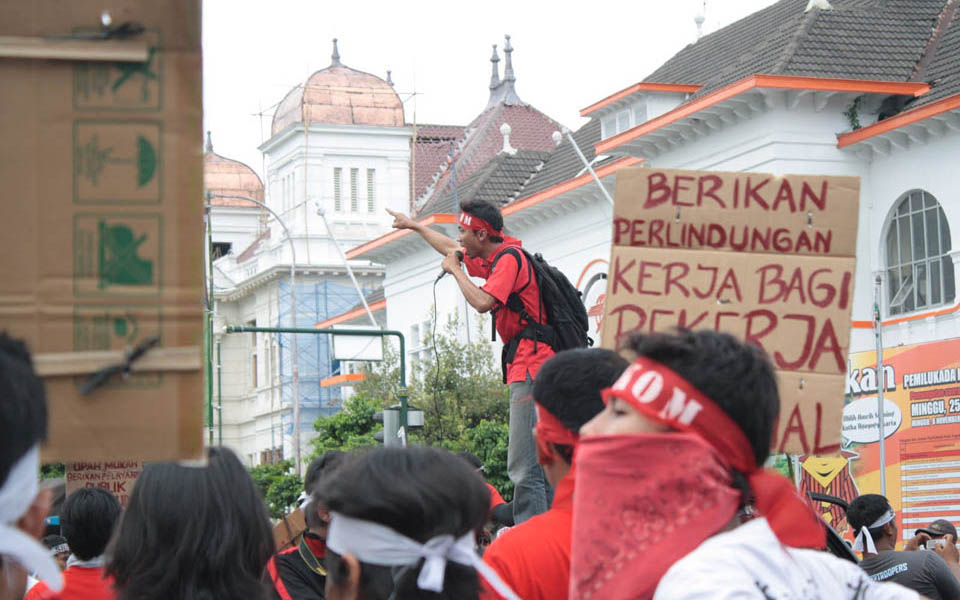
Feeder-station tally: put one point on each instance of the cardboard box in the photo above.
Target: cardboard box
(103, 219)
(766, 258)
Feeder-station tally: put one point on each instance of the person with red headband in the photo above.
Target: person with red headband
(533, 558)
(671, 501)
(479, 247)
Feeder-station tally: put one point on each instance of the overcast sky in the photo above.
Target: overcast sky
(567, 54)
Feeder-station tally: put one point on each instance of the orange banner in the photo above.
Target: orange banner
(921, 437)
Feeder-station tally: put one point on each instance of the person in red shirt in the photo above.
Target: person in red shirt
(533, 558)
(481, 247)
(87, 520)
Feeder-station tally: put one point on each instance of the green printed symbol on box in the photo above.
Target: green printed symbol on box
(116, 328)
(117, 255)
(116, 162)
(122, 85)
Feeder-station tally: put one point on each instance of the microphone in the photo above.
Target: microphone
(442, 272)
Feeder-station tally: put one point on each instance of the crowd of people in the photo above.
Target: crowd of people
(638, 474)
(657, 493)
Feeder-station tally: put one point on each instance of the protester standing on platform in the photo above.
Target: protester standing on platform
(479, 246)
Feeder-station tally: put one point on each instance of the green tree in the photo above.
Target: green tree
(351, 428)
(465, 403)
(52, 470)
(279, 486)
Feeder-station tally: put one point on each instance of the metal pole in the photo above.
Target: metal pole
(343, 257)
(358, 332)
(208, 318)
(878, 334)
(293, 321)
(586, 163)
(219, 395)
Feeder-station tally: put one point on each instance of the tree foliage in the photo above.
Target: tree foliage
(465, 403)
(279, 485)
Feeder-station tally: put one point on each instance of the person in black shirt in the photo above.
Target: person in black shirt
(924, 571)
(297, 573)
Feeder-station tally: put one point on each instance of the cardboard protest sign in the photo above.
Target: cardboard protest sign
(287, 529)
(768, 259)
(117, 477)
(102, 247)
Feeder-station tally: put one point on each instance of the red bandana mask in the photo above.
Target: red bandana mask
(550, 429)
(468, 221)
(644, 501)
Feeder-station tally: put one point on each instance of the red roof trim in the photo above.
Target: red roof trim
(903, 119)
(761, 81)
(639, 87)
(350, 315)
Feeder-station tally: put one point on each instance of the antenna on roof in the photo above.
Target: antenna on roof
(389, 78)
(209, 147)
(335, 57)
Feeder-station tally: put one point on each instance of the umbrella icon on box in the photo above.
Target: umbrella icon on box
(91, 160)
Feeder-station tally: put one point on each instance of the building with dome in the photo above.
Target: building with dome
(340, 151)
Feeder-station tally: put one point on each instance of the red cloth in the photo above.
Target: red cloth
(79, 583)
(533, 558)
(642, 502)
(504, 280)
(663, 396)
(475, 223)
(495, 498)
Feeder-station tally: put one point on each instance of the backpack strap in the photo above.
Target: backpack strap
(514, 302)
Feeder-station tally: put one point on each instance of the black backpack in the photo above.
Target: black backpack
(560, 302)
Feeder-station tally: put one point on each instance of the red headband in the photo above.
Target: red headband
(550, 429)
(477, 224)
(663, 396)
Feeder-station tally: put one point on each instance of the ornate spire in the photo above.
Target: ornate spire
(508, 61)
(209, 147)
(495, 75)
(389, 77)
(510, 96)
(335, 57)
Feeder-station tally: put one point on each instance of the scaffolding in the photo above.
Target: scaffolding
(316, 302)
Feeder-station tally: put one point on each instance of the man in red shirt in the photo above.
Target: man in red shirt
(87, 519)
(479, 247)
(534, 558)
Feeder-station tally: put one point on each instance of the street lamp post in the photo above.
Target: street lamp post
(293, 319)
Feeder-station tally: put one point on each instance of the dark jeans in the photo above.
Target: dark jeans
(531, 492)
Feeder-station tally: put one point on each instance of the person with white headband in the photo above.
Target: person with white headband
(875, 525)
(23, 426)
(403, 527)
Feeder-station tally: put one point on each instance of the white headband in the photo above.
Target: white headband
(377, 544)
(864, 540)
(17, 493)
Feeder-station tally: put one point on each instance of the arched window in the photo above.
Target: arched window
(919, 267)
